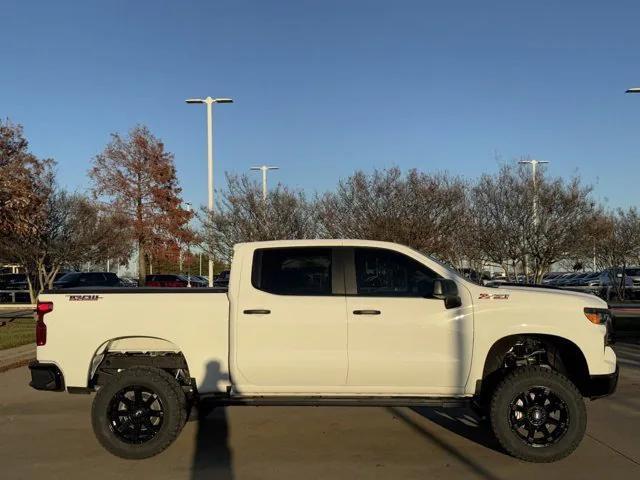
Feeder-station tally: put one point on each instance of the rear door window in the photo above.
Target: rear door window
(293, 271)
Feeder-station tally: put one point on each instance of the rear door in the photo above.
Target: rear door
(291, 323)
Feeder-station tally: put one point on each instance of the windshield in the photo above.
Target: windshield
(447, 267)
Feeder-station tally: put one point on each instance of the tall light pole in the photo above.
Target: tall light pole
(264, 169)
(209, 102)
(534, 167)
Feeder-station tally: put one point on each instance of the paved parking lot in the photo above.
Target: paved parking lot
(48, 435)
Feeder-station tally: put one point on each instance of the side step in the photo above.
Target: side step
(317, 401)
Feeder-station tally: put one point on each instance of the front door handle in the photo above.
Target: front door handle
(257, 311)
(366, 312)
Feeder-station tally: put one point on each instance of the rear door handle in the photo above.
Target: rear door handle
(366, 312)
(257, 311)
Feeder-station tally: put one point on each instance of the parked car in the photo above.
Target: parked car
(634, 274)
(222, 280)
(14, 285)
(551, 276)
(174, 280)
(563, 279)
(576, 279)
(300, 315)
(165, 280)
(13, 281)
(195, 281)
(584, 280)
(87, 279)
(128, 282)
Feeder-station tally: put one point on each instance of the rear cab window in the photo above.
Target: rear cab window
(293, 270)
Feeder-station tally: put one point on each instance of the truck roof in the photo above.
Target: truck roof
(332, 242)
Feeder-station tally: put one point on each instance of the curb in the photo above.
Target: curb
(16, 364)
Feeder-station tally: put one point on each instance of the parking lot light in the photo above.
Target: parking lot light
(209, 101)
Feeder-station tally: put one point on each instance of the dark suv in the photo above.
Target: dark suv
(87, 279)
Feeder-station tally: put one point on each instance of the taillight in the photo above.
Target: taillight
(42, 308)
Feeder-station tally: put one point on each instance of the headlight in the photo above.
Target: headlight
(598, 316)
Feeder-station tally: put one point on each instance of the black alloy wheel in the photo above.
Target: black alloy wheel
(135, 414)
(538, 416)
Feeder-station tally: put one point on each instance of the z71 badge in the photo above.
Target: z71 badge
(494, 296)
(83, 298)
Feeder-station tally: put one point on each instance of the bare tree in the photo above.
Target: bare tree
(559, 223)
(243, 216)
(527, 223)
(615, 237)
(70, 231)
(420, 210)
(499, 211)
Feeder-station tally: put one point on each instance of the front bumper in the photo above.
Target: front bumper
(46, 376)
(603, 385)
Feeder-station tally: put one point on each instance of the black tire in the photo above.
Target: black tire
(542, 401)
(116, 415)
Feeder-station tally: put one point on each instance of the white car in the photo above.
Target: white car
(329, 322)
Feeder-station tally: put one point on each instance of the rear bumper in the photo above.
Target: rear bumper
(46, 376)
(603, 385)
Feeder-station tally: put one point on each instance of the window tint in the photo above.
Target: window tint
(385, 273)
(292, 271)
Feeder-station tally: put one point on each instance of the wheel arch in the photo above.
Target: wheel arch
(562, 354)
(136, 350)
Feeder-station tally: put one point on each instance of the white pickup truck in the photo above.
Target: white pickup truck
(329, 322)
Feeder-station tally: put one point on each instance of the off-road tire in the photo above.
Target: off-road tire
(173, 402)
(520, 380)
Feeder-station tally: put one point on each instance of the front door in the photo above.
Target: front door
(291, 322)
(401, 339)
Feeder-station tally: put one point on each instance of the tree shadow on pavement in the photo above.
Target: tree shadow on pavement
(212, 458)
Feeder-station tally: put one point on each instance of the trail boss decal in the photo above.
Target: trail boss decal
(83, 298)
(493, 296)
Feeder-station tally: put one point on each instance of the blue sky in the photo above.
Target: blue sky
(325, 87)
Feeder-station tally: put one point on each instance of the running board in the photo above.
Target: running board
(282, 401)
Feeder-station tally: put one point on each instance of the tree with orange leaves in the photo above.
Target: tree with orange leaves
(136, 176)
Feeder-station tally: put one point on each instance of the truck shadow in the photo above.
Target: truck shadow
(449, 422)
(212, 458)
(462, 422)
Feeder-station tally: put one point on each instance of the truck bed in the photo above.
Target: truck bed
(87, 322)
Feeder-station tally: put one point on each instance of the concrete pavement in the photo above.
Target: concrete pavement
(48, 435)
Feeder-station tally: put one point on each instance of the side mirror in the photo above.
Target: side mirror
(447, 290)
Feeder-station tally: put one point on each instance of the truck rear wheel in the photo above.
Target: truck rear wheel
(537, 414)
(139, 413)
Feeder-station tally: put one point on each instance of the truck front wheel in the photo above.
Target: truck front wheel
(139, 413)
(537, 414)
